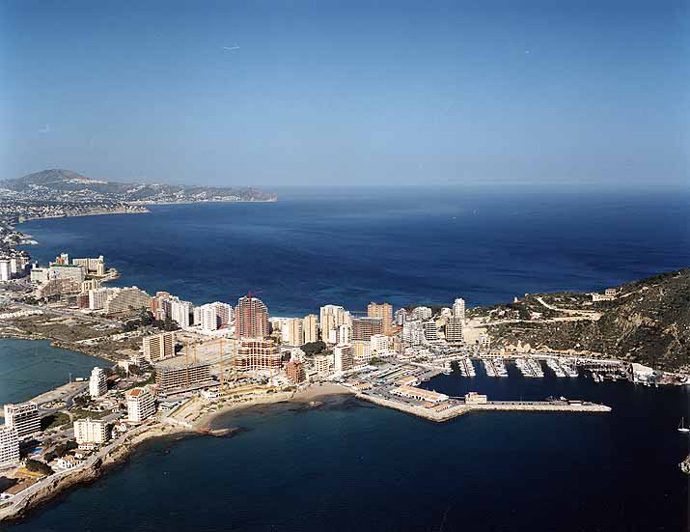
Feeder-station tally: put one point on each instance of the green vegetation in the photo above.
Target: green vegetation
(313, 348)
(61, 450)
(81, 413)
(38, 467)
(82, 400)
(146, 319)
(52, 421)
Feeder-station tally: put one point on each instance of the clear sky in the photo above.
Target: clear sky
(348, 93)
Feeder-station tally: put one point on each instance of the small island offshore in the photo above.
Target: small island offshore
(168, 367)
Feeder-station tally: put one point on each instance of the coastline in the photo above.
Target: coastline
(120, 450)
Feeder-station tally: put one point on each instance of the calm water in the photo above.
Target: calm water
(352, 466)
(30, 367)
(408, 247)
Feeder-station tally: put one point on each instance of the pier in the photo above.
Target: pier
(455, 407)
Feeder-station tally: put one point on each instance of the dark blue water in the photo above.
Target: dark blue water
(31, 367)
(352, 466)
(405, 247)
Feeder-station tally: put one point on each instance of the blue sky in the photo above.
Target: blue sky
(348, 93)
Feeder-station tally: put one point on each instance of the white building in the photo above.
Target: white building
(413, 332)
(380, 343)
(344, 334)
(98, 298)
(323, 364)
(430, 330)
(180, 312)
(98, 383)
(140, 405)
(90, 431)
(206, 317)
(421, 313)
(5, 270)
(9, 446)
(224, 313)
(23, 418)
(459, 308)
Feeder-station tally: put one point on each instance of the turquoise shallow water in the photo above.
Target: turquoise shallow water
(31, 367)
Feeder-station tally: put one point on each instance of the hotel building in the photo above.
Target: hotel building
(310, 328)
(23, 418)
(365, 328)
(98, 383)
(384, 311)
(159, 346)
(251, 318)
(9, 446)
(91, 431)
(140, 405)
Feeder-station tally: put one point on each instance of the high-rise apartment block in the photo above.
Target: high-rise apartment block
(364, 328)
(140, 405)
(291, 332)
(159, 346)
(331, 317)
(251, 318)
(91, 266)
(459, 308)
(383, 311)
(255, 354)
(454, 329)
(176, 377)
(180, 311)
(98, 383)
(343, 357)
(91, 431)
(9, 446)
(121, 300)
(310, 328)
(23, 418)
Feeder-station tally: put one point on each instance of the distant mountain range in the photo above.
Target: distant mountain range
(65, 186)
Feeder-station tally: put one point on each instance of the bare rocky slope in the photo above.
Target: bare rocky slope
(647, 322)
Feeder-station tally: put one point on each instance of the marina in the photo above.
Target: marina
(466, 367)
(495, 367)
(555, 367)
(529, 367)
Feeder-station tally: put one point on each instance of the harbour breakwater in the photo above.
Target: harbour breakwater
(441, 415)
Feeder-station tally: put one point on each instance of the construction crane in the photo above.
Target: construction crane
(250, 295)
(186, 360)
(220, 363)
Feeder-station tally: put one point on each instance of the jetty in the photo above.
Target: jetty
(472, 402)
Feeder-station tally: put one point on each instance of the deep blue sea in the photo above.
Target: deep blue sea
(403, 246)
(354, 466)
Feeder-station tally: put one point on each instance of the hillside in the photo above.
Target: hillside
(64, 185)
(648, 321)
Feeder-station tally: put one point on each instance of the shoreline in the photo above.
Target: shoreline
(117, 456)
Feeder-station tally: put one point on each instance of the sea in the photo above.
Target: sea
(349, 465)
